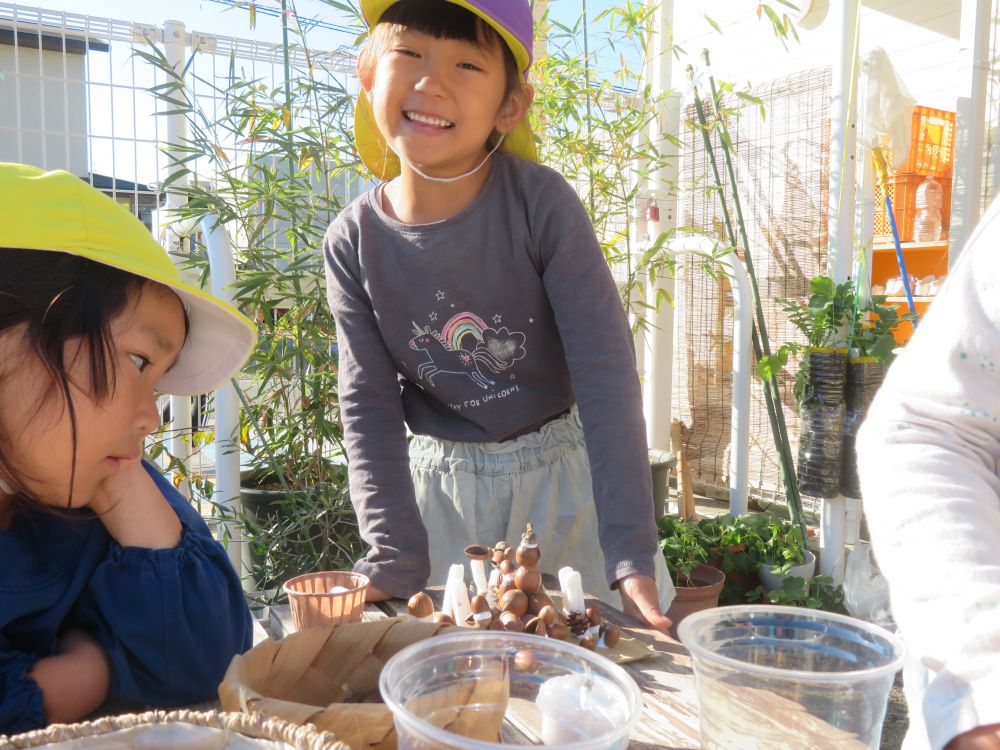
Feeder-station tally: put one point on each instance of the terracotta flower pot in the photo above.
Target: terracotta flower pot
(703, 595)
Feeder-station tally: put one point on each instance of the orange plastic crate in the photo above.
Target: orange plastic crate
(932, 143)
(903, 194)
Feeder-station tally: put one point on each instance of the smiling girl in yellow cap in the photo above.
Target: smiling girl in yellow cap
(474, 305)
(111, 585)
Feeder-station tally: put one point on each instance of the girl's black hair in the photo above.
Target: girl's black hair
(58, 297)
(445, 20)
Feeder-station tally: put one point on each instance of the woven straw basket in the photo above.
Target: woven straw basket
(327, 677)
(197, 730)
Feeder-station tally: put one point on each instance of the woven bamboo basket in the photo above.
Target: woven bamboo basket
(328, 677)
(197, 730)
(312, 602)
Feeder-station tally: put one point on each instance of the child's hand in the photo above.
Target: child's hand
(373, 594)
(640, 600)
(75, 681)
(981, 738)
(134, 510)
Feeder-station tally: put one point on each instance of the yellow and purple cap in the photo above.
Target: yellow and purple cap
(57, 211)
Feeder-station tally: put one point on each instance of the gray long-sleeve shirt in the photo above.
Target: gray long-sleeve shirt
(479, 328)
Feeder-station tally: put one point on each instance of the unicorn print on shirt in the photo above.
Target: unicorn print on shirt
(465, 346)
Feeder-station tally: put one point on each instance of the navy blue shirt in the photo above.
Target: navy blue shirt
(170, 620)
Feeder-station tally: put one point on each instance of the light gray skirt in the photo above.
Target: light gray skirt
(481, 493)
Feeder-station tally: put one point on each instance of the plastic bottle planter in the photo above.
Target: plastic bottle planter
(822, 411)
(864, 377)
(827, 375)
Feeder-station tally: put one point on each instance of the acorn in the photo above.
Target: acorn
(559, 630)
(482, 614)
(440, 618)
(525, 661)
(527, 553)
(514, 601)
(536, 626)
(594, 615)
(501, 551)
(507, 568)
(588, 643)
(532, 623)
(420, 605)
(506, 584)
(538, 601)
(548, 614)
(611, 634)
(529, 580)
(496, 623)
(511, 622)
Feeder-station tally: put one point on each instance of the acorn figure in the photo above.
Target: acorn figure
(527, 553)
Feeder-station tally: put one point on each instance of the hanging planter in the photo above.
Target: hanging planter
(864, 377)
(822, 411)
(825, 376)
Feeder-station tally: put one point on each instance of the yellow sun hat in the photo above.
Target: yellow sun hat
(59, 212)
(513, 22)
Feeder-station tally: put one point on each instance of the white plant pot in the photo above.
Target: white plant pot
(772, 581)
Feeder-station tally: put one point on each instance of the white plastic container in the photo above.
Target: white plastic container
(771, 677)
(534, 690)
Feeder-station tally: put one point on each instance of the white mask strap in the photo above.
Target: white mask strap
(461, 176)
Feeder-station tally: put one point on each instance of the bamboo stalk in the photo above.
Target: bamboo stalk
(759, 338)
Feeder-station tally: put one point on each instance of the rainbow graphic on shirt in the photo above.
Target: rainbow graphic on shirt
(462, 325)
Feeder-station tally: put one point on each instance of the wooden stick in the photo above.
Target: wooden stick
(685, 496)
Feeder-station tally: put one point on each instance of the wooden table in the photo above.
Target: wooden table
(670, 711)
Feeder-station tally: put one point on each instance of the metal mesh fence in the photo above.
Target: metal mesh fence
(781, 162)
(991, 163)
(76, 97)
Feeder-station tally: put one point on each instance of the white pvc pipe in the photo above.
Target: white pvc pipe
(739, 428)
(174, 48)
(973, 64)
(227, 406)
(659, 363)
(833, 537)
(843, 139)
(843, 145)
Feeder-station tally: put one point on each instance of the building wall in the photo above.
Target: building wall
(43, 119)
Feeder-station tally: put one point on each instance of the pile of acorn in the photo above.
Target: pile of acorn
(515, 599)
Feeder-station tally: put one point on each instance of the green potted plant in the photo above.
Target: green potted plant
(824, 320)
(785, 555)
(271, 163)
(737, 550)
(685, 547)
(819, 592)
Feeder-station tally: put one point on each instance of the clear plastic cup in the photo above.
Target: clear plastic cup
(473, 690)
(772, 677)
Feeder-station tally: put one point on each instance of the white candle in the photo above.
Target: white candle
(457, 594)
(478, 575)
(575, 707)
(572, 590)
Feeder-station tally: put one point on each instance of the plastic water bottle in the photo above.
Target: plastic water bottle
(927, 225)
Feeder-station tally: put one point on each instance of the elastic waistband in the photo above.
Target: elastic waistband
(546, 445)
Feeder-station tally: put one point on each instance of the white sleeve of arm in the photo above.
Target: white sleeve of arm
(928, 458)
